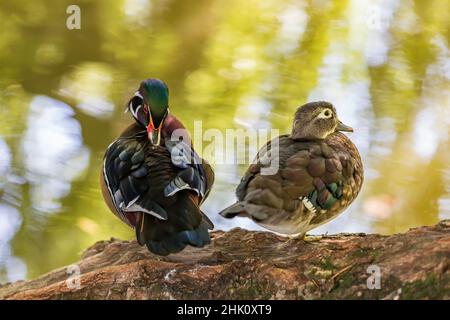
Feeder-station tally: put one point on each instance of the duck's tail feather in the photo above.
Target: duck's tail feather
(234, 210)
(186, 225)
(245, 209)
(207, 222)
(198, 237)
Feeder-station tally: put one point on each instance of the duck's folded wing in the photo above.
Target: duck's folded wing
(317, 176)
(125, 173)
(314, 176)
(196, 173)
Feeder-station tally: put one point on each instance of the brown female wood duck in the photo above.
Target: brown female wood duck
(154, 183)
(320, 174)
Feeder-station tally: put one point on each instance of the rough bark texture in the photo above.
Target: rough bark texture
(242, 264)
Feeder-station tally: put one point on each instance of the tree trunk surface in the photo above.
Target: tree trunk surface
(241, 264)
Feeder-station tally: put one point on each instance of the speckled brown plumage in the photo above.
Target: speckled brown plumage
(327, 173)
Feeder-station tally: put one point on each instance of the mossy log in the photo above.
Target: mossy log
(242, 264)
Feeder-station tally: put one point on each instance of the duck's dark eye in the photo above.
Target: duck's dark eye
(327, 113)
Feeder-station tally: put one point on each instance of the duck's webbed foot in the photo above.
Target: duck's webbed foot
(303, 237)
(298, 236)
(312, 238)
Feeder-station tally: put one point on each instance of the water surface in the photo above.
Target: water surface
(384, 64)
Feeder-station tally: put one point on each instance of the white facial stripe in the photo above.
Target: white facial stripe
(135, 112)
(130, 107)
(137, 94)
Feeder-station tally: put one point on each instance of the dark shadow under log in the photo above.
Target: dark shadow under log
(242, 264)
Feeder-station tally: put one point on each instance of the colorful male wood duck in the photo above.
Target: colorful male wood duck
(320, 174)
(155, 183)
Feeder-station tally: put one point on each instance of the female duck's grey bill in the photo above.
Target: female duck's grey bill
(343, 127)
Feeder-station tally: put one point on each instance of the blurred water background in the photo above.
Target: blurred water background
(385, 64)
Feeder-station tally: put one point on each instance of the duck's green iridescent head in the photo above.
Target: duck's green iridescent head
(150, 107)
(156, 97)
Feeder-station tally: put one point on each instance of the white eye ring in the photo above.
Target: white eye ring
(325, 114)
